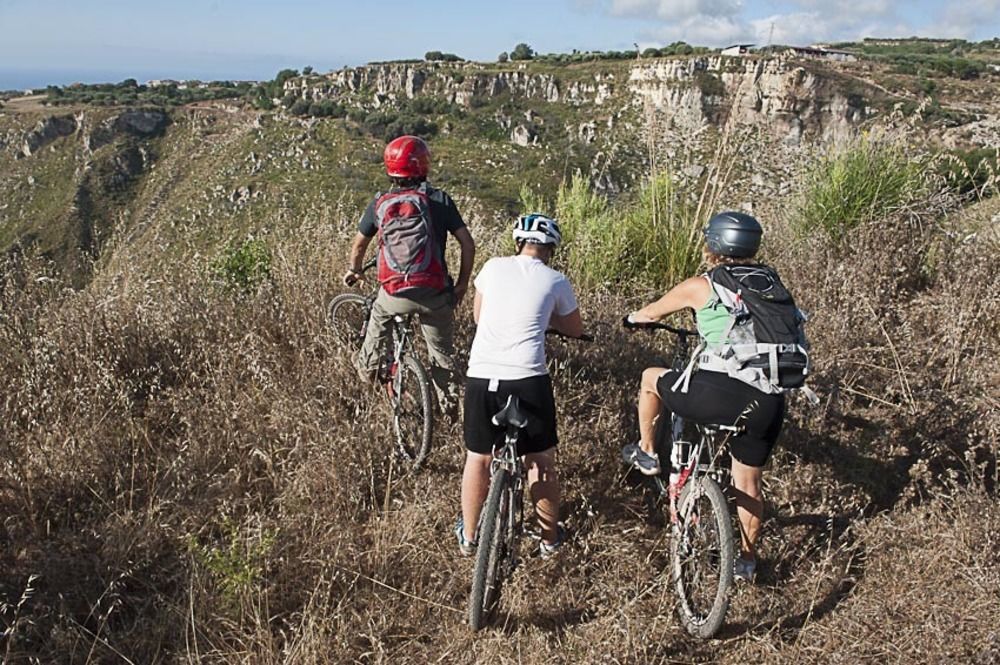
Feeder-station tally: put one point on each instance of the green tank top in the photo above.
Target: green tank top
(712, 320)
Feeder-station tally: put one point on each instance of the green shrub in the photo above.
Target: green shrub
(522, 52)
(326, 109)
(710, 84)
(975, 171)
(237, 563)
(243, 267)
(653, 242)
(300, 107)
(866, 180)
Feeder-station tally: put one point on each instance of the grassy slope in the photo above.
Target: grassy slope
(242, 478)
(197, 476)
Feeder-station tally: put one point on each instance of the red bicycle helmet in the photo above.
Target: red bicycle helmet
(407, 157)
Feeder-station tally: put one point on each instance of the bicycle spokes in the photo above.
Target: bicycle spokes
(703, 557)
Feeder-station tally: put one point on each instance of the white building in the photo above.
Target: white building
(737, 49)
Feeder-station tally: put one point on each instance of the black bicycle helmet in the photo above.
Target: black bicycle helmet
(733, 234)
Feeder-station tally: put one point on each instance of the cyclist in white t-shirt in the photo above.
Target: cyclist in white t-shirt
(517, 299)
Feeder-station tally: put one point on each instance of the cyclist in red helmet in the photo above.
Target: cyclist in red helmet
(412, 222)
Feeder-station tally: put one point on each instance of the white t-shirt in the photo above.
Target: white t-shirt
(519, 295)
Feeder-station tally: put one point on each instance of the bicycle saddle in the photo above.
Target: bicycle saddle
(511, 414)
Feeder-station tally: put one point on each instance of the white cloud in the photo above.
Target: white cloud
(672, 10)
(701, 30)
(834, 24)
(967, 18)
(722, 22)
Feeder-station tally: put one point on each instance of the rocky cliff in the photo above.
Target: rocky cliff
(74, 177)
(794, 101)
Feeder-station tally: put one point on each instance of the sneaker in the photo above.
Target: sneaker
(745, 569)
(547, 551)
(647, 464)
(465, 547)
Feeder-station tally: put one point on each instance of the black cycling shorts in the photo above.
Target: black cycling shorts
(714, 398)
(537, 401)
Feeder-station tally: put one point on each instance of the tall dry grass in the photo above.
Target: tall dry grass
(191, 474)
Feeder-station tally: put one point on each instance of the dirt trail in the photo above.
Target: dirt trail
(27, 104)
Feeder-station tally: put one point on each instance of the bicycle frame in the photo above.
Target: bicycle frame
(507, 458)
(400, 330)
(706, 448)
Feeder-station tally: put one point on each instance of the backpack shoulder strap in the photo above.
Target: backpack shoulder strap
(724, 286)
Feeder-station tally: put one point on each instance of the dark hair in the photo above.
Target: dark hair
(406, 182)
(521, 243)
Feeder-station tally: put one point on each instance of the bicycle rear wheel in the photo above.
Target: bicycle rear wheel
(702, 557)
(494, 557)
(412, 417)
(347, 316)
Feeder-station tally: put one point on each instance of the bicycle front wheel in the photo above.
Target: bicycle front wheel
(495, 550)
(702, 557)
(412, 417)
(347, 316)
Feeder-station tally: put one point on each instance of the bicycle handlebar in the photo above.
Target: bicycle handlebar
(655, 325)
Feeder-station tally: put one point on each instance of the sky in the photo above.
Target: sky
(61, 41)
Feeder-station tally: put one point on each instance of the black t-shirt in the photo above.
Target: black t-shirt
(444, 217)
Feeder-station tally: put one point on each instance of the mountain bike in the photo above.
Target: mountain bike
(404, 379)
(702, 550)
(502, 520)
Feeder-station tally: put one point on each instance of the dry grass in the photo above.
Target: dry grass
(194, 476)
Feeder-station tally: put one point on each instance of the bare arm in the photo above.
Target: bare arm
(468, 248)
(693, 292)
(356, 258)
(570, 324)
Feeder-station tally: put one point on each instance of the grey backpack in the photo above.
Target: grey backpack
(764, 343)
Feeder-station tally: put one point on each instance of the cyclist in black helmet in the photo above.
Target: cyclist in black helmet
(712, 397)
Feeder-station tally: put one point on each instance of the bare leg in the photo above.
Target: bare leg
(649, 407)
(543, 485)
(475, 485)
(749, 497)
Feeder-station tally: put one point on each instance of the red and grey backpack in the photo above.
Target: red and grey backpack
(409, 253)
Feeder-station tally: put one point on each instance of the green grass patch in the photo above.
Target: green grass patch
(864, 181)
(243, 267)
(652, 241)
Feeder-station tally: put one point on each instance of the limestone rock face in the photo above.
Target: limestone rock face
(47, 131)
(790, 101)
(142, 124)
(458, 84)
(778, 94)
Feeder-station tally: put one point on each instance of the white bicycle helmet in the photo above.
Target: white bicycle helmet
(537, 228)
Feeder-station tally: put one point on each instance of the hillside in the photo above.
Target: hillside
(192, 473)
(78, 175)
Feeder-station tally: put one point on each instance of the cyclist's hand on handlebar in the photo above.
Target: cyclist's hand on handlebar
(635, 321)
(352, 277)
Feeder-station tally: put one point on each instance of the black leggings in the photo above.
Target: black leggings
(714, 398)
